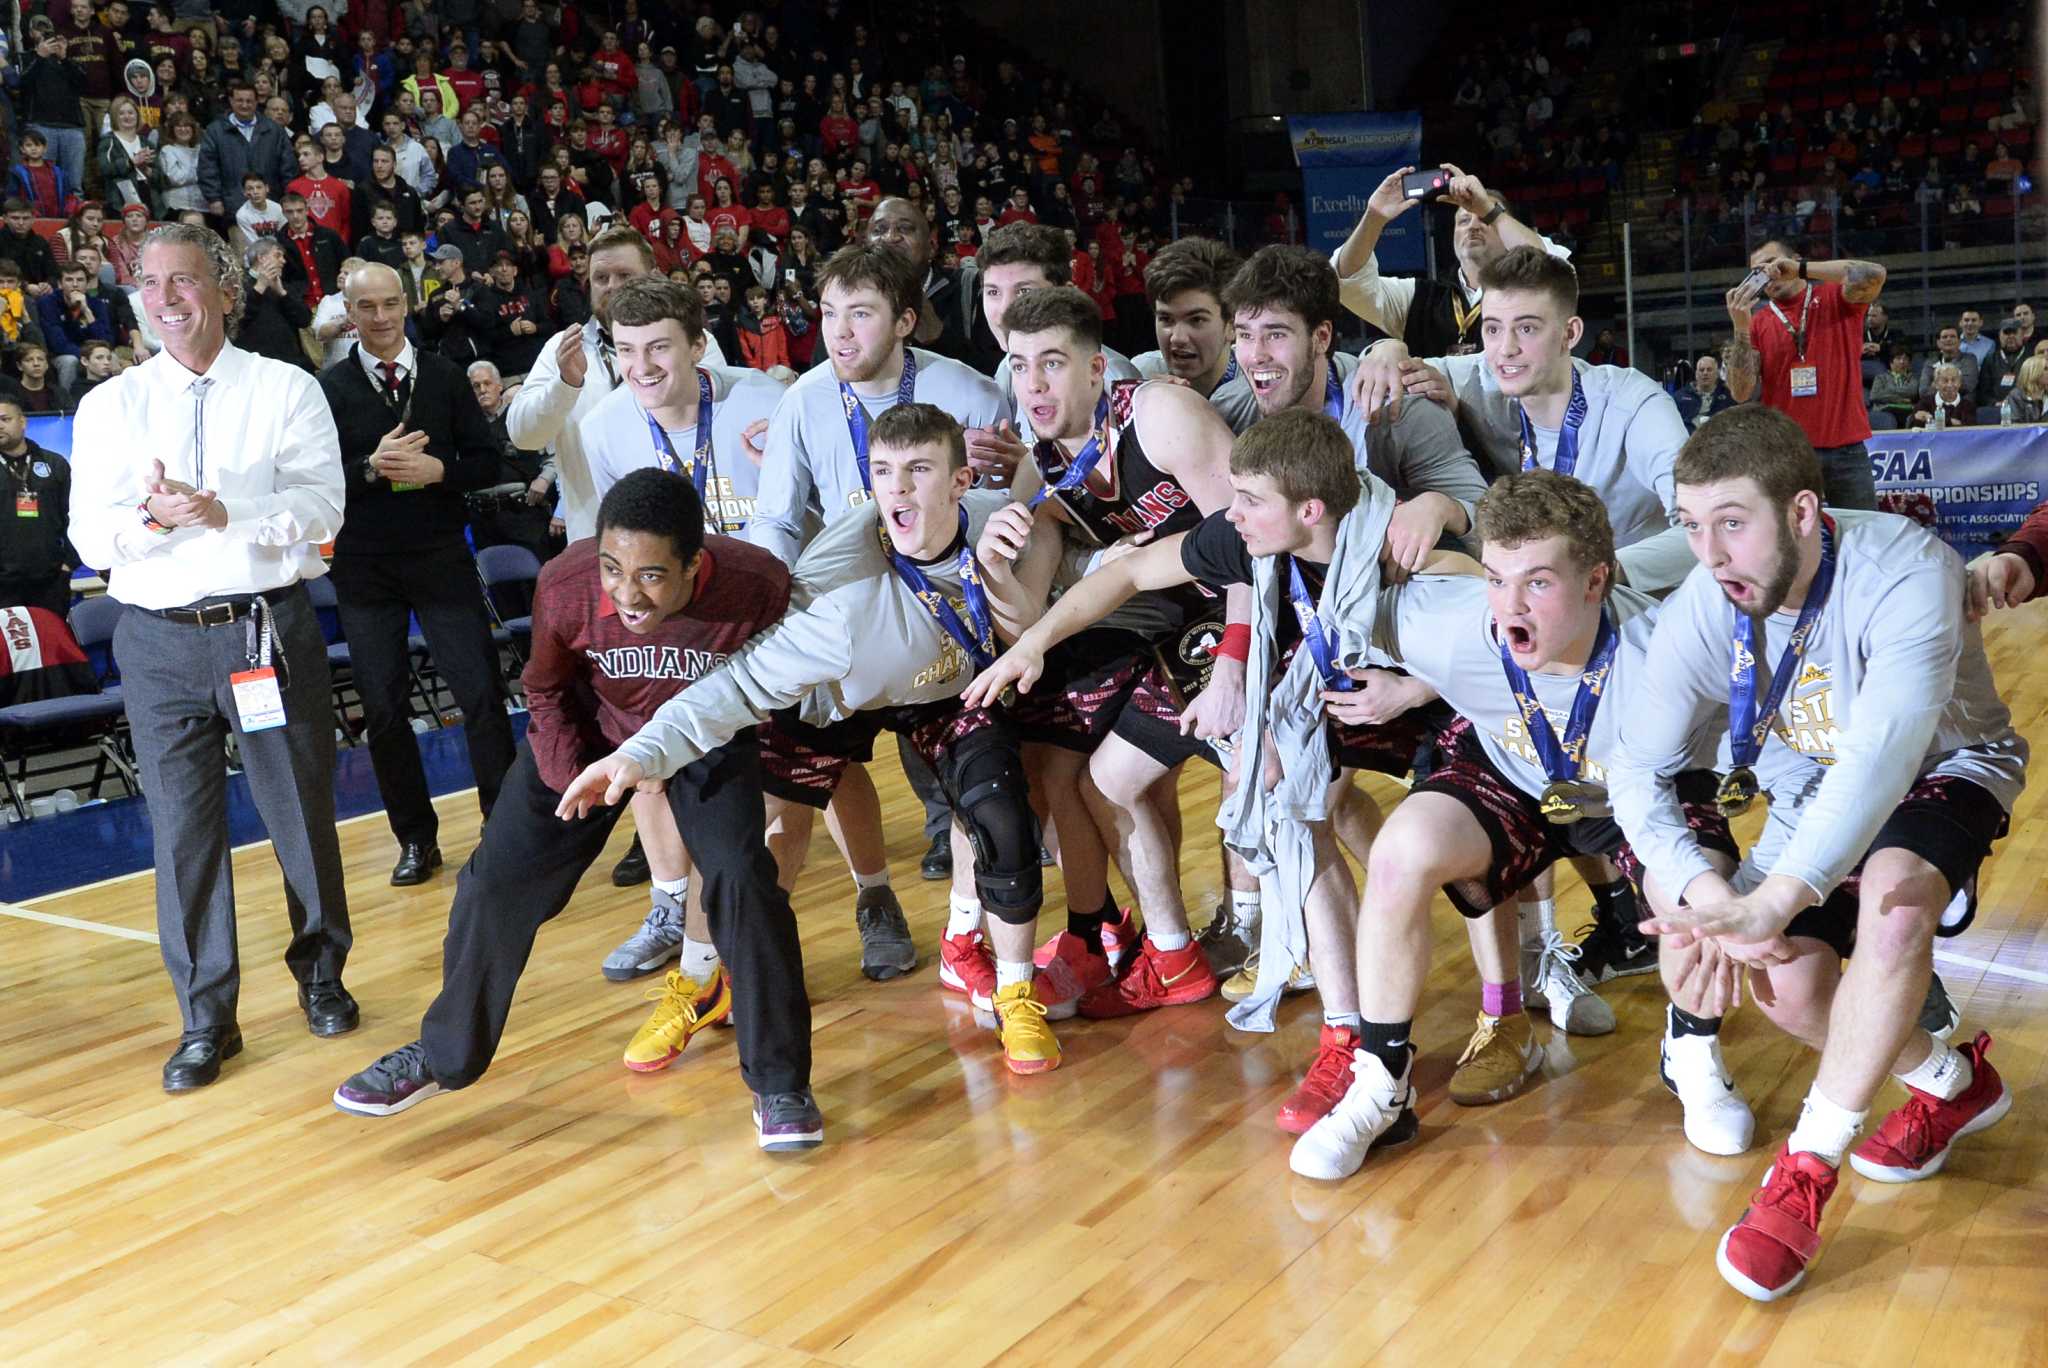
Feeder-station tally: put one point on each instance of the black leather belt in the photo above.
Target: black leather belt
(221, 612)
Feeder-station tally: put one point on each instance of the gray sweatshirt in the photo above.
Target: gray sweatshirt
(1627, 447)
(1895, 686)
(615, 440)
(809, 471)
(855, 638)
(1419, 452)
(1440, 629)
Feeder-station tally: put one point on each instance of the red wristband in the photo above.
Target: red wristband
(1236, 643)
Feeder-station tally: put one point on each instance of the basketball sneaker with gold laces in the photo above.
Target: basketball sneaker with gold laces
(1029, 1045)
(682, 1008)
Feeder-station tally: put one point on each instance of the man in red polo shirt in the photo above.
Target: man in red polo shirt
(1801, 338)
(621, 623)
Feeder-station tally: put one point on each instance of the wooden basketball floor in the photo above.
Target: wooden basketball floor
(1133, 1207)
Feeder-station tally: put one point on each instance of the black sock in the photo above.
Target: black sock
(1387, 1041)
(1615, 904)
(1088, 925)
(1684, 1023)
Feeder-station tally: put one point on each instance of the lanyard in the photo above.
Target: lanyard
(1561, 759)
(1229, 370)
(1567, 457)
(1083, 465)
(1333, 394)
(976, 636)
(1798, 336)
(1748, 721)
(857, 414)
(1320, 638)
(701, 468)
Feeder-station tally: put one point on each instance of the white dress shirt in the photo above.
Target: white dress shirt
(260, 436)
(407, 361)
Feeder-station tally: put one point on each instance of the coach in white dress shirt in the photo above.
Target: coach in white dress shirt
(205, 480)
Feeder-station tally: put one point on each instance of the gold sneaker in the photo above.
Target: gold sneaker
(1239, 985)
(1029, 1045)
(1499, 1060)
(683, 1007)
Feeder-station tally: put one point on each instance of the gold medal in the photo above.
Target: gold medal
(1567, 800)
(1738, 790)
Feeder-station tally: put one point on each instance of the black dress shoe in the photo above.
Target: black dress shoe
(938, 861)
(196, 1062)
(416, 864)
(329, 1009)
(631, 870)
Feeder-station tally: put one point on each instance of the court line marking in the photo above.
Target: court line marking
(73, 923)
(149, 871)
(2030, 975)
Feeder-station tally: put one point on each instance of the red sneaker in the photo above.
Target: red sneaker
(1118, 937)
(1153, 978)
(1914, 1141)
(1764, 1255)
(1068, 974)
(1329, 1078)
(966, 966)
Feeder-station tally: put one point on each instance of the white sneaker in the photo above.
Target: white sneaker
(1375, 1110)
(1717, 1119)
(1550, 979)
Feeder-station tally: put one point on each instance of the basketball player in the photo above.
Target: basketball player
(1117, 461)
(1836, 642)
(1017, 259)
(666, 397)
(892, 625)
(623, 622)
(817, 468)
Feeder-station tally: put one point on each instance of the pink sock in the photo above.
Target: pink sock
(1500, 999)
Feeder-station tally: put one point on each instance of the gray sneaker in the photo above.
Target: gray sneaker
(1227, 946)
(886, 949)
(1550, 979)
(659, 940)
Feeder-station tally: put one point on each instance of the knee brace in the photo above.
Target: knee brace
(993, 802)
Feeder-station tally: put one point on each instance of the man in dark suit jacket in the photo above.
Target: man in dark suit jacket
(413, 441)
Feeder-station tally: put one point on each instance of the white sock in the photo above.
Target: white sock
(1169, 940)
(1012, 971)
(1542, 912)
(964, 918)
(1244, 909)
(1350, 1019)
(675, 888)
(1824, 1128)
(1943, 1074)
(700, 960)
(879, 879)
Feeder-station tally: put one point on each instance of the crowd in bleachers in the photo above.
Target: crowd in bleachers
(746, 152)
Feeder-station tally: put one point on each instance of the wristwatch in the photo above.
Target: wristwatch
(1802, 268)
(1493, 213)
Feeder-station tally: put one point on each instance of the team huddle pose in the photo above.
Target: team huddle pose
(1509, 579)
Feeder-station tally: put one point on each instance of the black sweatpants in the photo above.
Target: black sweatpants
(527, 866)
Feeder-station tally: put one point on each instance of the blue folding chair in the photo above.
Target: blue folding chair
(47, 727)
(503, 567)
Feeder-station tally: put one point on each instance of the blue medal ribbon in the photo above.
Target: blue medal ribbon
(1082, 466)
(977, 635)
(1749, 722)
(1320, 638)
(700, 468)
(1561, 759)
(1229, 370)
(857, 414)
(1568, 436)
(1333, 394)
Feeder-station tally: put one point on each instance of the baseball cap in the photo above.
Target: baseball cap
(447, 251)
(2010, 325)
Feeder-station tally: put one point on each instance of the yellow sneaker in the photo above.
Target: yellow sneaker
(1498, 1062)
(1239, 985)
(1029, 1045)
(683, 1007)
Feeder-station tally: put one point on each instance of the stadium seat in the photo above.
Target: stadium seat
(501, 567)
(47, 727)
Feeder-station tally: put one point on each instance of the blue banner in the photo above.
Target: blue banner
(1343, 158)
(51, 432)
(1972, 486)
